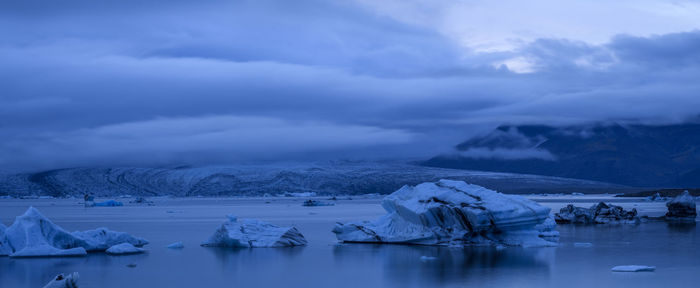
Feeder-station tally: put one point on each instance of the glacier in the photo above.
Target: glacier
(454, 213)
(34, 235)
(251, 233)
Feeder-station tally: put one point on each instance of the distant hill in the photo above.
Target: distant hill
(635, 155)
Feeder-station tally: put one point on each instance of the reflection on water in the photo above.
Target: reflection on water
(403, 264)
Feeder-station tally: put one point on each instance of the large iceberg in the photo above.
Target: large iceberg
(682, 208)
(251, 233)
(454, 213)
(34, 235)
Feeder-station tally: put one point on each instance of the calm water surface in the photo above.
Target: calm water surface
(324, 263)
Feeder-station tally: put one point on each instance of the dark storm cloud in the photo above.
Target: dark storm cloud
(156, 82)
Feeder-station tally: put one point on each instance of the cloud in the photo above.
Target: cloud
(83, 83)
(508, 154)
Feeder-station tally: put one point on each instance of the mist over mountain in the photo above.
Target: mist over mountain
(636, 155)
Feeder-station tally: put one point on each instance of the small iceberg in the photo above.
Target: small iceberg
(633, 268)
(583, 245)
(454, 213)
(600, 213)
(313, 203)
(108, 203)
(682, 208)
(251, 233)
(124, 249)
(34, 235)
(64, 281)
(176, 245)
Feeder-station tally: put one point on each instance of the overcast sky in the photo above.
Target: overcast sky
(136, 82)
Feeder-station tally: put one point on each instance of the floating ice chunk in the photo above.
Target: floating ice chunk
(64, 281)
(102, 238)
(312, 203)
(682, 208)
(454, 213)
(108, 203)
(633, 268)
(250, 233)
(600, 213)
(176, 245)
(124, 248)
(34, 235)
(583, 244)
(427, 258)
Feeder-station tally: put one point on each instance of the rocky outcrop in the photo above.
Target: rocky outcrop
(454, 213)
(600, 213)
(682, 208)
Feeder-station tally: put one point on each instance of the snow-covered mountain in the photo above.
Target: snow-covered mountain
(331, 178)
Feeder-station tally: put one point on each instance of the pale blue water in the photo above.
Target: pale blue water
(323, 263)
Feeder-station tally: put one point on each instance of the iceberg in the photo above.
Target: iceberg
(34, 235)
(123, 249)
(633, 268)
(682, 208)
(454, 213)
(64, 281)
(600, 213)
(251, 233)
(176, 245)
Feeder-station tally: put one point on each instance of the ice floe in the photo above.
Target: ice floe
(176, 245)
(600, 213)
(64, 281)
(124, 248)
(682, 208)
(312, 203)
(251, 233)
(108, 203)
(34, 235)
(454, 213)
(633, 268)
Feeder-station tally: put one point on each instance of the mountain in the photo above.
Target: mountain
(635, 155)
(331, 178)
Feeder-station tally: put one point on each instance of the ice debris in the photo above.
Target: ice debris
(108, 203)
(682, 208)
(633, 268)
(176, 245)
(313, 203)
(123, 249)
(251, 233)
(64, 281)
(454, 213)
(34, 235)
(600, 213)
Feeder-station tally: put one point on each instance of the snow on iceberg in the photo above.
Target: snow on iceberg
(682, 208)
(123, 249)
(454, 213)
(34, 235)
(64, 281)
(633, 268)
(251, 233)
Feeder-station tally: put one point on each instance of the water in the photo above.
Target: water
(324, 263)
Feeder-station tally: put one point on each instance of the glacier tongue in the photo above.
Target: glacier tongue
(251, 233)
(34, 235)
(454, 213)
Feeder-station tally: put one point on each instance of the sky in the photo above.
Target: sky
(137, 82)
